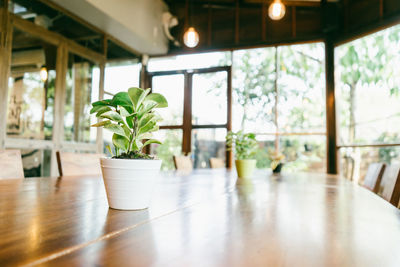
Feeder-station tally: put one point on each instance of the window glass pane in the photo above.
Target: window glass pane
(172, 145)
(118, 77)
(121, 76)
(82, 89)
(172, 87)
(304, 153)
(209, 98)
(206, 144)
(368, 88)
(301, 88)
(30, 95)
(253, 90)
(354, 162)
(194, 61)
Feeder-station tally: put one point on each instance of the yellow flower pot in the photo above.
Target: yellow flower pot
(245, 167)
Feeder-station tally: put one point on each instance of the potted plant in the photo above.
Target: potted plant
(276, 158)
(130, 175)
(245, 145)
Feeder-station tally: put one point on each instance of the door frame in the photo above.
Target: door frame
(187, 126)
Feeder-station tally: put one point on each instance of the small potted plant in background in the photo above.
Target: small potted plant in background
(276, 158)
(245, 146)
(130, 175)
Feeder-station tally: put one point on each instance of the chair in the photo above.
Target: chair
(217, 163)
(390, 185)
(11, 164)
(373, 177)
(72, 164)
(183, 163)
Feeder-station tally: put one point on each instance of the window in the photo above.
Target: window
(367, 96)
(30, 94)
(279, 94)
(200, 94)
(118, 77)
(194, 61)
(80, 93)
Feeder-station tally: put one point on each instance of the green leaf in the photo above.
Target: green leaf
(121, 99)
(137, 95)
(147, 128)
(100, 124)
(129, 121)
(145, 136)
(115, 128)
(102, 110)
(159, 99)
(136, 145)
(124, 112)
(112, 115)
(134, 95)
(152, 141)
(145, 119)
(120, 142)
(105, 102)
(126, 130)
(146, 108)
(96, 108)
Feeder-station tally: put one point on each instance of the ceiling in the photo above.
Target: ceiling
(222, 24)
(227, 24)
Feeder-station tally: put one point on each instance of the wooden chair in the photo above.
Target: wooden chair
(217, 163)
(72, 164)
(373, 177)
(390, 184)
(183, 163)
(11, 164)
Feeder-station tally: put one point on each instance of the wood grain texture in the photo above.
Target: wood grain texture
(202, 219)
(390, 185)
(373, 176)
(11, 164)
(42, 217)
(298, 220)
(72, 164)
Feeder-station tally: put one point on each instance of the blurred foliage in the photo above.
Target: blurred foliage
(172, 145)
(244, 144)
(387, 154)
(300, 92)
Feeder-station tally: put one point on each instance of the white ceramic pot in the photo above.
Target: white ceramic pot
(129, 183)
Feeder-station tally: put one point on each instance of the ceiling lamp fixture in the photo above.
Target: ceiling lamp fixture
(276, 10)
(191, 37)
(43, 74)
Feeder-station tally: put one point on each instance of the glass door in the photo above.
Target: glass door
(198, 116)
(209, 116)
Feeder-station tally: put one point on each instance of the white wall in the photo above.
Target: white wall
(137, 23)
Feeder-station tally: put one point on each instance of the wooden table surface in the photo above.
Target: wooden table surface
(207, 218)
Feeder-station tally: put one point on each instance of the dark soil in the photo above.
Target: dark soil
(133, 155)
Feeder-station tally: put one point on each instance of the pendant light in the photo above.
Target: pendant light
(43, 74)
(276, 10)
(191, 37)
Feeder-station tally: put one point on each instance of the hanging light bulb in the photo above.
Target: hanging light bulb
(43, 74)
(276, 10)
(191, 37)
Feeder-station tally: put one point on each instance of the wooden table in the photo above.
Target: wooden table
(202, 219)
